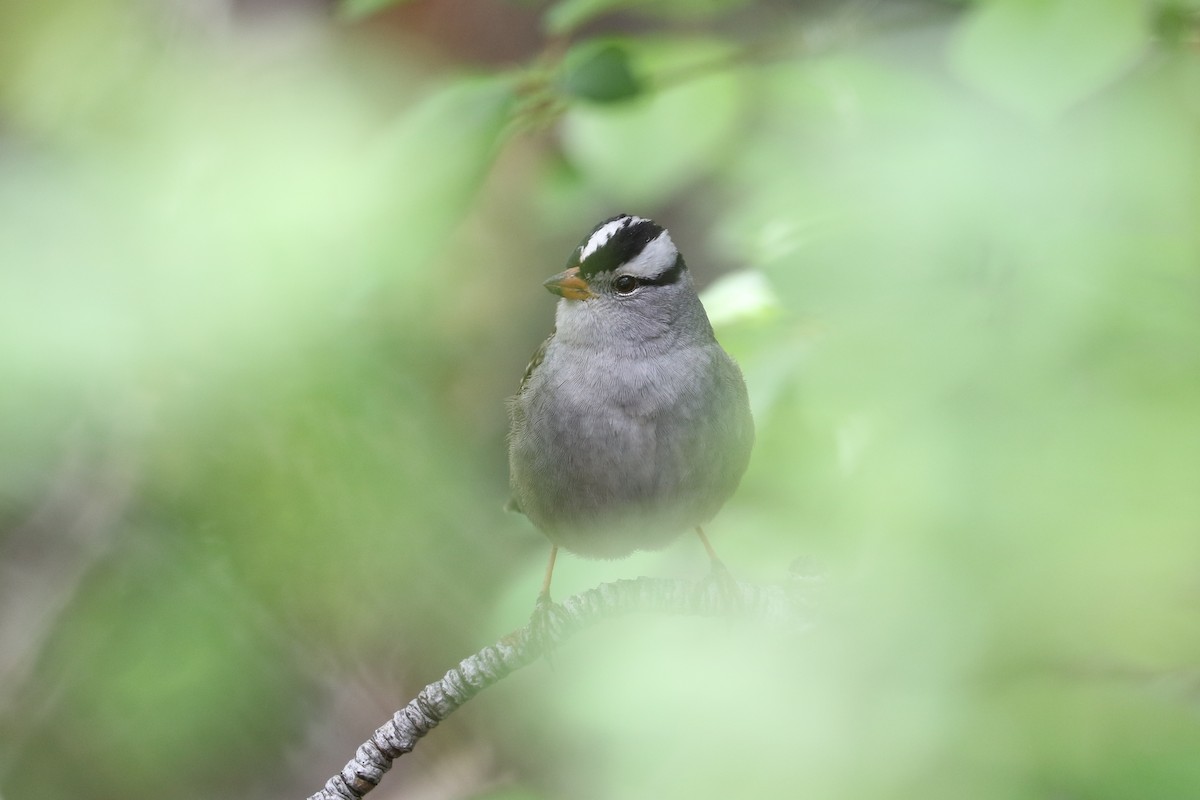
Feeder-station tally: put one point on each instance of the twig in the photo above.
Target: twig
(782, 605)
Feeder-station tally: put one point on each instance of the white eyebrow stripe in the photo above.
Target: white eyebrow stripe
(656, 258)
(606, 232)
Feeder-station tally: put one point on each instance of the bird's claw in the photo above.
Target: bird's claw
(543, 626)
(719, 588)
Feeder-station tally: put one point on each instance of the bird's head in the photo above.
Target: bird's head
(627, 279)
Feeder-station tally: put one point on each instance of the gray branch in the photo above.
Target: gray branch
(782, 605)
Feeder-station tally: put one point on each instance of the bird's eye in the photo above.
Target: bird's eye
(625, 284)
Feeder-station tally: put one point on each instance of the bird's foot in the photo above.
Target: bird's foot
(719, 589)
(545, 626)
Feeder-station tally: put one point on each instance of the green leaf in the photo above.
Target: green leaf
(1175, 22)
(421, 176)
(357, 9)
(599, 72)
(1040, 56)
(643, 151)
(570, 14)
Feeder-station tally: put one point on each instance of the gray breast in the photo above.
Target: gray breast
(606, 461)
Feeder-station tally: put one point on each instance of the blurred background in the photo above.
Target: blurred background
(268, 271)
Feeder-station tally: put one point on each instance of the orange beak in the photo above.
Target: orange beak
(570, 284)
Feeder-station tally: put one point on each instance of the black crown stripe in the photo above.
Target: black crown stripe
(622, 246)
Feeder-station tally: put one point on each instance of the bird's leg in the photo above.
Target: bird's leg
(545, 594)
(708, 548)
(543, 609)
(719, 575)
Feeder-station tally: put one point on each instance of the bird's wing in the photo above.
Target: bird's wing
(516, 414)
(538, 356)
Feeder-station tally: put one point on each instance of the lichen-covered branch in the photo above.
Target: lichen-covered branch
(784, 605)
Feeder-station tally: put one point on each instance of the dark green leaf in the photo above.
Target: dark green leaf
(600, 74)
(645, 150)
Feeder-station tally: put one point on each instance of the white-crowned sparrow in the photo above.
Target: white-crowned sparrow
(631, 423)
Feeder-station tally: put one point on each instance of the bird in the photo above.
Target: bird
(631, 424)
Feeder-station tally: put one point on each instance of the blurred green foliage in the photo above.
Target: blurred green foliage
(265, 285)
(599, 72)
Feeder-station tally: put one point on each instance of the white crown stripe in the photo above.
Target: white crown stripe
(606, 232)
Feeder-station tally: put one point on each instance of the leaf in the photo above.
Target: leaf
(1174, 22)
(420, 177)
(1041, 57)
(357, 9)
(570, 14)
(599, 72)
(643, 151)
